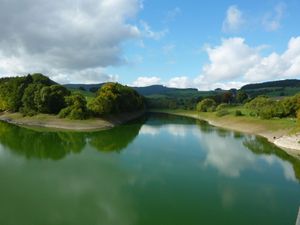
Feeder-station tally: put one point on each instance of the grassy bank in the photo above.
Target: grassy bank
(282, 132)
(54, 123)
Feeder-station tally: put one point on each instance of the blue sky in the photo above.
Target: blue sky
(202, 44)
(191, 25)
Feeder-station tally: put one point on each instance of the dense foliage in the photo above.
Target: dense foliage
(115, 98)
(31, 94)
(206, 105)
(76, 107)
(272, 84)
(261, 106)
(268, 108)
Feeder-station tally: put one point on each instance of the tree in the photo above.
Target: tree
(265, 107)
(206, 105)
(241, 96)
(52, 99)
(12, 90)
(76, 107)
(227, 97)
(291, 105)
(116, 98)
(30, 99)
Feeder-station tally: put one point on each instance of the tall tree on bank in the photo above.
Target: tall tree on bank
(115, 98)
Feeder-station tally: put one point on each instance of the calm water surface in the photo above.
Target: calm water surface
(159, 170)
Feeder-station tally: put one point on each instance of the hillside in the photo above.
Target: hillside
(159, 96)
(160, 89)
(146, 91)
(278, 88)
(84, 87)
(273, 84)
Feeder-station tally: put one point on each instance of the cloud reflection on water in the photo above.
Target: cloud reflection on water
(225, 150)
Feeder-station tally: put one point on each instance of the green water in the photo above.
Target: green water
(158, 170)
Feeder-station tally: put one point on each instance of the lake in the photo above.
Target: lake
(157, 170)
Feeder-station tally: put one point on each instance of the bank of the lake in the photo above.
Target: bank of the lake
(284, 133)
(53, 122)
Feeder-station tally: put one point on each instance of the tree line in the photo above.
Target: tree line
(260, 106)
(232, 96)
(36, 93)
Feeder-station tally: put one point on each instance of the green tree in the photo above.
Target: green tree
(265, 107)
(291, 105)
(76, 107)
(206, 105)
(241, 96)
(116, 98)
(30, 99)
(52, 99)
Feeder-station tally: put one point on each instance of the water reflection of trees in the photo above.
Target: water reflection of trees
(56, 145)
(42, 145)
(115, 139)
(259, 145)
(161, 119)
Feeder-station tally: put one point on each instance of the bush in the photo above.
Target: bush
(115, 98)
(222, 106)
(265, 107)
(222, 112)
(298, 115)
(76, 108)
(206, 105)
(64, 112)
(238, 113)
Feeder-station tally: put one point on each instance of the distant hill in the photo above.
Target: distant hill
(273, 84)
(149, 90)
(272, 88)
(160, 89)
(86, 87)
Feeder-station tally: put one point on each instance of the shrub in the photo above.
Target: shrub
(76, 108)
(222, 112)
(222, 106)
(238, 113)
(206, 105)
(116, 98)
(298, 115)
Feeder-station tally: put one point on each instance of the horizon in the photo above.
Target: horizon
(172, 43)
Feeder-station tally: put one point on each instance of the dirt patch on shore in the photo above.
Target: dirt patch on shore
(55, 123)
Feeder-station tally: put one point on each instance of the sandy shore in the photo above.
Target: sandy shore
(280, 137)
(54, 123)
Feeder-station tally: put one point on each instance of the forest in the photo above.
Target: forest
(36, 93)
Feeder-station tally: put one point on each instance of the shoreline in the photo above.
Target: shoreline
(279, 137)
(53, 123)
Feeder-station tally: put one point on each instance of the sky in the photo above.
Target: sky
(177, 43)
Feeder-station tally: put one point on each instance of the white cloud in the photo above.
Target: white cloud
(149, 33)
(272, 21)
(179, 82)
(87, 76)
(234, 19)
(146, 81)
(235, 63)
(229, 60)
(277, 66)
(63, 36)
